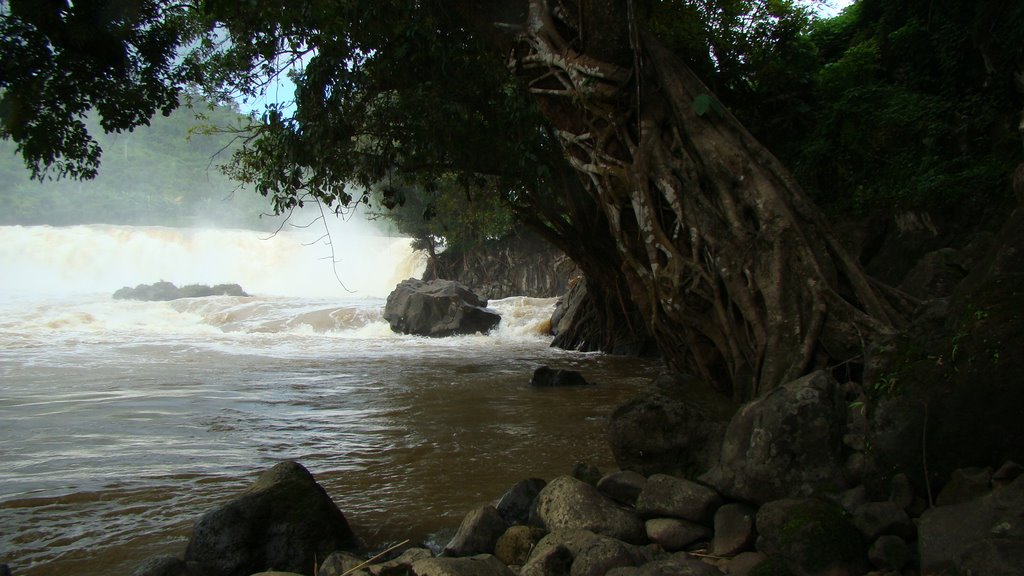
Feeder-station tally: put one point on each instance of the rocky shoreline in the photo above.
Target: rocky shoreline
(625, 524)
(787, 492)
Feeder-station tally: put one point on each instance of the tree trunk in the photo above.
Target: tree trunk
(735, 272)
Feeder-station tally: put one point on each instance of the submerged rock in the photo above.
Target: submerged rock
(567, 503)
(546, 376)
(437, 308)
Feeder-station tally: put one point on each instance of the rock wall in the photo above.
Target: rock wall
(521, 265)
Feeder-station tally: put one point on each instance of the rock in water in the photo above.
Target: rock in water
(546, 376)
(437, 308)
(164, 291)
(285, 521)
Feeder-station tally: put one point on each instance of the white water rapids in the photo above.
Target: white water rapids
(121, 422)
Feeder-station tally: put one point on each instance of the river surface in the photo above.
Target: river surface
(121, 422)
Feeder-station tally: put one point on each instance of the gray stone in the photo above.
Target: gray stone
(964, 485)
(285, 520)
(742, 564)
(889, 553)
(158, 566)
(477, 534)
(667, 496)
(853, 498)
(786, 443)
(946, 533)
(623, 486)
(992, 557)
(676, 565)
(811, 537)
(675, 428)
(338, 563)
(901, 491)
(592, 554)
(481, 565)
(1006, 474)
(514, 546)
(437, 308)
(164, 291)
(517, 503)
(674, 534)
(734, 529)
(875, 519)
(547, 377)
(400, 566)
(551, 561)
(585, 472)
(567, 503)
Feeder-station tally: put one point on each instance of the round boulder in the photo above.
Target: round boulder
(567, 503)
(284, 521)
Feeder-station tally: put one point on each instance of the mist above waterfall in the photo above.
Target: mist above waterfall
(347, 259)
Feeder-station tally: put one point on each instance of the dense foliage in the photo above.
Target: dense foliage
(167, 173)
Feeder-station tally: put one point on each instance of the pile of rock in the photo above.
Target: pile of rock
(628, 525)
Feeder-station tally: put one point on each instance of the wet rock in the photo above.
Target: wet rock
(514, 546)
(787, 443)
(567, 503)
(734, 529)
(676, 565)
(623, 486)
(547, 377)
(744, 563)
(811, 537)
(159, 566)
(437, 308)
(481, 565)
(284, 520)
(964, 485)
(164, 291)
(477, 534)
(339, 563)
(586, 473)
(400, 566)
(992, 557)
(553, 560)
(853, 498)
(517, 503)
(889, 553)
(674, 534)
(591, 554)
(947, 533)
(675, 428)
(901, 492)
(667, 496)
(1006, 474)
(875, 519)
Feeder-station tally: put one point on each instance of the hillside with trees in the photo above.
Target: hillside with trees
(167, 173)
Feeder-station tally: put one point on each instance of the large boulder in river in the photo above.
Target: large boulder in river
(787, 443)
(284, 521)
(437, 308)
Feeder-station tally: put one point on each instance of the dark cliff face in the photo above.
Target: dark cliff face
(521, 265)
